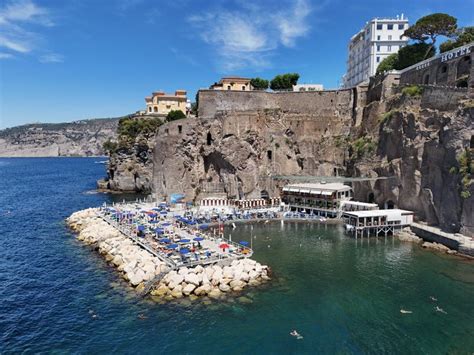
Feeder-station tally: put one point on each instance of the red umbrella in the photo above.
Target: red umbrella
(224, 246)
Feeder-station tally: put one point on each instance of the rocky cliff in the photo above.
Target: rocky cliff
(79, 138)
(421, 138)
(242, 139)
(415, 137)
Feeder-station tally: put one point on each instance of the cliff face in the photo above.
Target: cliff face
(242, 139)
(419, 144)
(79, 138)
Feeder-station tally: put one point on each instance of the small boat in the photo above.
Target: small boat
(404, 311)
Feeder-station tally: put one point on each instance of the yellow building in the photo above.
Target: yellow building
(161, 104)
(232, 83)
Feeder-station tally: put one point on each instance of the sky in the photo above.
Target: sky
(64, 60)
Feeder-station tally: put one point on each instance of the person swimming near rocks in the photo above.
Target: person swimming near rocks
(434, 299)
(404, 311)
(142, 316)
(295, 334)
(439, 309)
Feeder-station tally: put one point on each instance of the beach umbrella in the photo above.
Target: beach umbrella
(184, 250)
(153, 222)
(163, 212)
(184, 240)
(244, 243)
(159, 231)
(224, 246)
(203, 226)
(141, 228)
(172, 246)
(156, 209)
(165, 224)
(165, 240)
(198, 239)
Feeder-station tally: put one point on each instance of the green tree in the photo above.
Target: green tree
(463, 36)
(259, 83)
(431, 27)
(388, 63)
(413, 54)
(174, 115)
(110, 146)
(284, 81)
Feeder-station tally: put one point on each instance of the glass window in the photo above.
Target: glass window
(389, 37)
(389, 48)
(401, 26)
(379, 26)
(390, 27)
(378, 59)
(378, 38)
(378, 48)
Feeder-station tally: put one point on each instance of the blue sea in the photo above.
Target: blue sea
(343, 296)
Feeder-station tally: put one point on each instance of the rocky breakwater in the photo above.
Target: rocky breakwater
(213, 281)
(136, 264)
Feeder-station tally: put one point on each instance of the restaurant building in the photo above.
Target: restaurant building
(376, 222)
(235, 83)
(321, 199)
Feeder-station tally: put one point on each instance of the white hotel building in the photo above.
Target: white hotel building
(379, 38)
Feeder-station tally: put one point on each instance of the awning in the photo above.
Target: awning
(315, 192)
(286, 189)
(293, 190)
(326, 193)
(304, 191)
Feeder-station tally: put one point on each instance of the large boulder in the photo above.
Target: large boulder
(224, 287)
(160, 291)
(183, 271)
(188, 289)
(237, 284)
(203, 290)
(215, 293)
(192, 279)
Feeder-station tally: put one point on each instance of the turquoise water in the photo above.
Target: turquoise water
(343, 296)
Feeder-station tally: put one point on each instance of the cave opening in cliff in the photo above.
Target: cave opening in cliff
(269, 154)
(264, 194)
(180, 129)
(389, 205)
(471, 144)
(371, 197)
(209, 138)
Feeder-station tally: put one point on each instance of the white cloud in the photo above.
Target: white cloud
(248, 37)
(6, 55)
(17, 18)
(51, 58)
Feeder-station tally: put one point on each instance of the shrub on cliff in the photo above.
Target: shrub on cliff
(363, 146)
(129, 128)
(284, 81)
(175, 115)
(110, 146)
(259, 84)
(388, 63)
(412, 91)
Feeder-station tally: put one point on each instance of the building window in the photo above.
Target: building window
(155, 109)
(269, 154)
(228, 87)
(379, 26)
(378, 48)
(149, 109)
(389, 37)
(401, 26)
(389, 48)
(378, 38)
(243, 88)
(378, 59)
(390, 27)
(180, 129)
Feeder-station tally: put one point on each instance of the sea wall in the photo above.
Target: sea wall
(137, 266)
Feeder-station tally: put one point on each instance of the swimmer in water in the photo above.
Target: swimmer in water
(142, 316)
(439, 309)
(404, 311)
(433, 299)
(295, 334)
